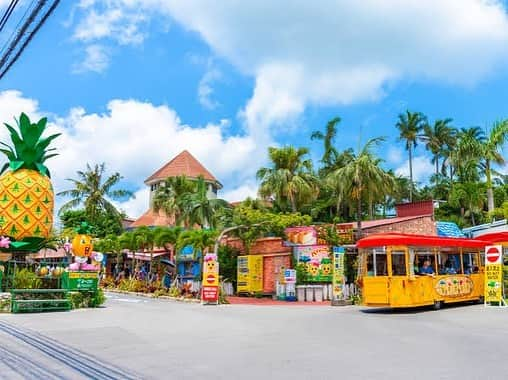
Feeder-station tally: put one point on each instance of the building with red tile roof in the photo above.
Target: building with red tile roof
(184, 164)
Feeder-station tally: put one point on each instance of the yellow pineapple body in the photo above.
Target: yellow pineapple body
(26, 204)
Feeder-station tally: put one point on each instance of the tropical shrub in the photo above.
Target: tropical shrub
(26, 279)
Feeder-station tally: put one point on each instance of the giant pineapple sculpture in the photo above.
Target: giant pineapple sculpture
(26, 193)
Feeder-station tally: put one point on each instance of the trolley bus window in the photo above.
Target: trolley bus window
(470, 260)
(398, 263)
(449, 263)
(421, 257)
(376, 263)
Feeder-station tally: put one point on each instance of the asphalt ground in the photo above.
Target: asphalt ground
(133, 338)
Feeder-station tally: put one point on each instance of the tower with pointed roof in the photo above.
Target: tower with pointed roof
(184, 164)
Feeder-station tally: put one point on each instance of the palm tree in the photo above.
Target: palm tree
(290, 180)
(197, 208)
(200, 240)
(167, 237)
(468, 196)
(146, 240)
(410, 125)
(360, 176)
(169, 195)
(490, 154)
(132, 242)
(94, 192)
(330, 154)
(437, 138)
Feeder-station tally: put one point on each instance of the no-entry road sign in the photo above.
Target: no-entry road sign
(493, 254)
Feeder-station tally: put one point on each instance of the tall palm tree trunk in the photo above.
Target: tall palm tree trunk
(410, 174)
(359, 217)
(490, 191)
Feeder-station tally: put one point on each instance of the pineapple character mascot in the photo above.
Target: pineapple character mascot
(26, 193)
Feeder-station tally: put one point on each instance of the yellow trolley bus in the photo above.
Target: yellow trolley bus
(402, 270)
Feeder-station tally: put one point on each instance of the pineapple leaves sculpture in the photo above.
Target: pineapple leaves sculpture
(26, 193)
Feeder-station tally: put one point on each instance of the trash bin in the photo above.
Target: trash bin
(318, 293)
(290, 292)
(309, 293)
(282, 292)
(326, 295)
(300, 293)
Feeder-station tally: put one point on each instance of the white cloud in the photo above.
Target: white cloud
(137, 206)
(118, 20)
(422, 169)
(246, 190)
(341, 52)
(135, 139)
(330, 52)
(394, 155)
(96, 59)
(205, 89)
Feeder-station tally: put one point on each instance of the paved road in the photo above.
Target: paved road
(155, 339)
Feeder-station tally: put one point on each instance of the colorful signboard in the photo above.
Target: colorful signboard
(317, 262)
(338, 279)
(187, 253)
(301, 236)
(494, 274)
(454, 286)
(210, 287)
(84, 281)
(345, 232)
(250, 274)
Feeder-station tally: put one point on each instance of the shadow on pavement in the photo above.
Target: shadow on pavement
(413, 310)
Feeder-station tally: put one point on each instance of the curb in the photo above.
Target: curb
(148, 295)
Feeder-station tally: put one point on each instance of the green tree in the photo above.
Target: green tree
(197, 208)
(356, 179)
(166, 237)
(470, 197)
(437, 138)
(330, 154)
(410, 126)
(290, 179)
(105, 222)
(94, 191)
(491, 154)
(169, 196)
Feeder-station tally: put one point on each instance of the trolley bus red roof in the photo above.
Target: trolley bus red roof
(495, 237)
(381, 240)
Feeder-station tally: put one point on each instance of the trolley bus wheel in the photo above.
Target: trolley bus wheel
(437, 305)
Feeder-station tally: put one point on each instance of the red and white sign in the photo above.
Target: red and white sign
(210, 294)
(493, 254)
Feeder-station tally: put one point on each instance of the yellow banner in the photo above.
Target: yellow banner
(83, 274)
(493, 282)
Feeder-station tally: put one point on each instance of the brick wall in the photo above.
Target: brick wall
(275, 255)
(271, 270)
(421, 226)
(261, 246)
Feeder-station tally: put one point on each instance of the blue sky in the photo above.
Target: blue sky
(134, 82)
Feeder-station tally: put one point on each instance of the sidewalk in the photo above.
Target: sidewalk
(234, 300)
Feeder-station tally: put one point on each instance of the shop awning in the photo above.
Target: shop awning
(145, 256)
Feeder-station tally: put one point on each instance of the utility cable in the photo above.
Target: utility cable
(7, 14)
(29, 38)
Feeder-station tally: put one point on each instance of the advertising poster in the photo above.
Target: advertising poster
(338, 279)
(493, 273)
(210, 287)
(316, 259)
(301, 236)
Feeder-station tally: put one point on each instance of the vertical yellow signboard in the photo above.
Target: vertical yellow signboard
(250, 274)
(493, 274)
(338, 278)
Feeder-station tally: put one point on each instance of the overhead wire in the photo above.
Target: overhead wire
(29, 38)
(7, 14)
(15, 30)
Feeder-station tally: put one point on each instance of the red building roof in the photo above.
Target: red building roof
(183, 164)
(152, 218)
(366, 224)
